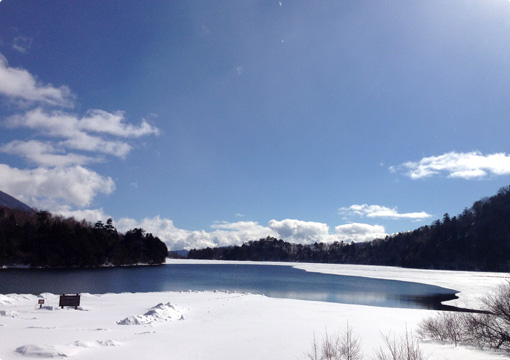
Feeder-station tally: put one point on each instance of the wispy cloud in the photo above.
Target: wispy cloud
(45, 154)
(114, 124)
(471, 165)
(378, 211)
(75, 132)
(22, 87)
(22, 44)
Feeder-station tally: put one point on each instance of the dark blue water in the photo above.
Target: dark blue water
(273, 281)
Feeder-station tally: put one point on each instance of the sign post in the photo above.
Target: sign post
(69, 300)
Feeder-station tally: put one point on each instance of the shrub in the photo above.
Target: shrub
(343, 346)
(403, 348)
(347, 346)
(445, 327)
(488, 328)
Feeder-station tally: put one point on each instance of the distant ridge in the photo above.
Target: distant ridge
(12, 203)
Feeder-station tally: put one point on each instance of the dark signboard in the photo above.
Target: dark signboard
(69, 300)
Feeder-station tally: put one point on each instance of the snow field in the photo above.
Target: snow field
(218, 325)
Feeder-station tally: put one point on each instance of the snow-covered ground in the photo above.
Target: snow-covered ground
(220, 325)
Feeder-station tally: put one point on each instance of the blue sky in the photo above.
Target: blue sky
(216, 122)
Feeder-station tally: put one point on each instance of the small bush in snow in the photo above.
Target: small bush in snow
(347, 346)
(445, 327)
(403, 348)
(343, 346)
(489, 329)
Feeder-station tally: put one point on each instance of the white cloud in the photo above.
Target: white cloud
(46, 188)
(377, 211)
(19, 85)
(240, 231)
(298, 231)
(174, 237)
(90, 215)
(86, 142)
(231, 234)
(308, 232)
(114, 124)
(60, 179)
(359, 232)
(472, 165)
(45, 154)
(74, 130)
(224, 233)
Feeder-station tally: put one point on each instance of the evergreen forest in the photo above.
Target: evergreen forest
(39, 239)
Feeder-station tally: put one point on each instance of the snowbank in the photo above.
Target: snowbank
(158, 313)
(216, 325)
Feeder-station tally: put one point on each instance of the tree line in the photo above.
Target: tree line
(41, 239)
(478, 239)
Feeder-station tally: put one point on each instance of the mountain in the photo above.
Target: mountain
(13, 203)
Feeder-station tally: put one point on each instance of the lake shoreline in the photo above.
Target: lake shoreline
(267, 279)
(471, 285)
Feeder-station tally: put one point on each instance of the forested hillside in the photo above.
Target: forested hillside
(477, 239)
(39, 239)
